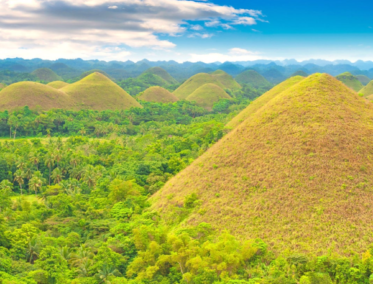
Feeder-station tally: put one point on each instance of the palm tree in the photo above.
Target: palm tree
(35, 159)
(65, 252)
(18, 177)
(89, 176)
(36, 182)
(49, 162)
(83, 254)
(57, 175)
(32, 251)
(107, 272)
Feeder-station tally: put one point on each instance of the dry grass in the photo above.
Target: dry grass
(254, 79)
(350, 81)
(226, 79)
(158, 94)
(34, 95)
(297, 173)
(2, 86)
(98, 92)
(46, 75)
(57, 84)
(220, 78)
(208, 94)
(263, 100)
(367, 90)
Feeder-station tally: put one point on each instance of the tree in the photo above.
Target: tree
(57, 175)
(36, 182)
(49, 162)
(18, 177)
(5, 191)
(120, 190)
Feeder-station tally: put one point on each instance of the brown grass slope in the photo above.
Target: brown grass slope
(2, 86)
(158, 94)
(298, 173)
(193, 83)
(367, 90)
(57, 84)
(227, 80)
(33, 95)
(208, 94)
(262, 100)
(98, 92)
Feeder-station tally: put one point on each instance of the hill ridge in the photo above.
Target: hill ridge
(158, 94)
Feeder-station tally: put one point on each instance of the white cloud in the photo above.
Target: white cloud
(54, 28)
(234, 54)
(201, 35)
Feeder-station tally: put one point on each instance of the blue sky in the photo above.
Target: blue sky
(181, 30)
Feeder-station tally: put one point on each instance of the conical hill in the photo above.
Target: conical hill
(297, 173)
(208, 94)
(367, 90)
(57, 84)
(227, 80)
(158, 94)
(254, 79)
(363, 79)
(263, 100)
(98, 92)
(162, 73)
(34, 95)
(46, 75)
(350, 81)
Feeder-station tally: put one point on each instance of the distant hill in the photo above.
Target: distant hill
(98, 92)
(263, 100)
(33, 95)
(87, 73)
(2, 86)
(208, 94)
(163, 74)
(152, 79)
(254, 79)
(158, 94)
(46, 75)
(220, 78)
(350, 81)
(363, 79)
(299, 73)
(296, 174)
(367, 90)
(274, 76)
(57, 84)
(64, 71)
(227, 80)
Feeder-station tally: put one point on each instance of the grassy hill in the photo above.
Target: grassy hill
(158, 94)
(296, 174)
(363, 79)
(227, 80)
(263, 100)
(2, 86)
(57, 84)
(299, 73)
(367, 90)
(163, 74)
(96, 91)
(34, 95)
(254, 79)
(350, 81)
(46, 75)
(208, 94)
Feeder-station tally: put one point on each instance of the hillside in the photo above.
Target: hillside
(227, 80)
(158, 94)
(46, 75)
(363, 79)
(33, 95)
(367, 90)
(57, 84)
(2, 86)
(163, 74)
(208, 94)
(296, 174)
(98, 92)
(263, 100)
(254, 79)
(299, 73)
(350, 81)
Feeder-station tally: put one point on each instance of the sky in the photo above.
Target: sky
(181, 30)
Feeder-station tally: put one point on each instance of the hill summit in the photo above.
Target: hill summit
(96, 91)
(158, 94)
(57, 84)
(350, 81)
(46, 75)
(161, 73)
(367, 90)
(254, 79)
(208, 94)
(297, 173)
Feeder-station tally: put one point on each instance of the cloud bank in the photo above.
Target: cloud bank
(105, 29)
